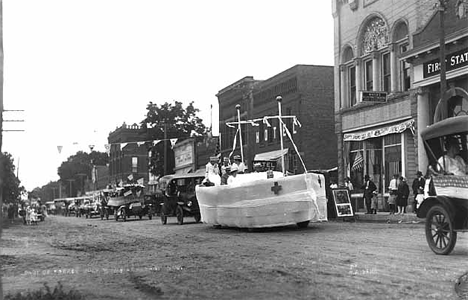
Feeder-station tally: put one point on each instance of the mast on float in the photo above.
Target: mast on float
(279, 99)
(240, 131)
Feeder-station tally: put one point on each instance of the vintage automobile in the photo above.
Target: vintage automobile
(51, 208)
(62, 205)
(72, 209)
(91, 208)
(128, 201)
(179, 197)
(446, 208)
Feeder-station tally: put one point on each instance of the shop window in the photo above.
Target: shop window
(392, 150)
(373, 161)
(369, 84)
(352, 85)
(356, 160)
(257, 137)
(386, 83)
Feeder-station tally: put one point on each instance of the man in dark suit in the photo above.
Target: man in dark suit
(369, 188)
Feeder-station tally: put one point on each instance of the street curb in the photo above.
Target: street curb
(409, 218)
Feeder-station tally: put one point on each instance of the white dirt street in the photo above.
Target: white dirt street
(142, 259)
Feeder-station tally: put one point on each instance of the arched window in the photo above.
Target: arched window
(400, 38)
(374, 41)
(374, 35)
(349, 69)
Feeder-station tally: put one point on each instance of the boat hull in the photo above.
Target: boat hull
(258, 202)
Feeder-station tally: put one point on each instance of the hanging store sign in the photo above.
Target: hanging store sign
(364, 135)
(452, 61)
(373, 96)
(184, 155)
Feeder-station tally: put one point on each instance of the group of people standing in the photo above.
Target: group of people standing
(422, 188)
(398, 198)
(224, 173)
(399, 194)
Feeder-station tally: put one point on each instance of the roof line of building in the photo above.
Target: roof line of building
(434, 45)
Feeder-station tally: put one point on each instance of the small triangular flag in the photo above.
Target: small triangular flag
(173, 142)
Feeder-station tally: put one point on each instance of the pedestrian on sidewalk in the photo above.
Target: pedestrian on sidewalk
(369, 188)
(348, 184)
(22, 213)
(403, 194)
(11, 212)
(418, 189)
(374, 203)
(393, 191)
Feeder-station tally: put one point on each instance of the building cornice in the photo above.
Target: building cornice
(434, 45)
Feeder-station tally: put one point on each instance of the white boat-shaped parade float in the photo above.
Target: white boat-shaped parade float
(265, 199)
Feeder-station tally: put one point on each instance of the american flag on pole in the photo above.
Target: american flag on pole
(358, 161)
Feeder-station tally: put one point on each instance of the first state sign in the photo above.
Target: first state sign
(452, 61)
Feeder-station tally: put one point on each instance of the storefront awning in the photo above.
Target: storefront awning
(270, 156)
(364, 135)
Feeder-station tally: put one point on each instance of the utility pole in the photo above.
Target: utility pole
(1, 82)
(1, 119)
(82, 176)
(165, 147)
(53, 192)
(441, 109)
(70, 180)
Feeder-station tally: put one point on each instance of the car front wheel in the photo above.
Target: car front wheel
(440, 234)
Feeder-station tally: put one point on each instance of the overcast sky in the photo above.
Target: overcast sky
(81, 68)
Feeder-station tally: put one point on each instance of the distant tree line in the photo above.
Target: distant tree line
(12, 188)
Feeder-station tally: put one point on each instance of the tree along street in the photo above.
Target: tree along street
(142, 259)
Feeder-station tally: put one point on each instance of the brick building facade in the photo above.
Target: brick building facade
(382, 48)
(307, 93)
(127, 157)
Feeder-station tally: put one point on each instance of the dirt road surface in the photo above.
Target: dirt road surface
(142, 259)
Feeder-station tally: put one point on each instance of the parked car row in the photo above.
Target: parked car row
(175, 197)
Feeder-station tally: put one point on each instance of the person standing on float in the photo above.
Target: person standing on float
(212, 172)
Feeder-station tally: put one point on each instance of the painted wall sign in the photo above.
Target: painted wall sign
(452, 61)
